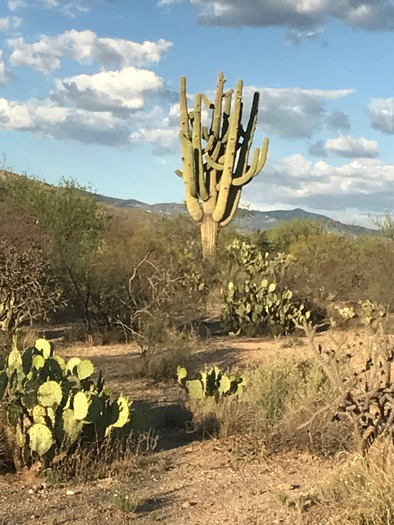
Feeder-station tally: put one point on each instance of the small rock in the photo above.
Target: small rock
(70, 493)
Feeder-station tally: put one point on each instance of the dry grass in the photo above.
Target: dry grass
(111, 458)
(362, 491)
(289, 403)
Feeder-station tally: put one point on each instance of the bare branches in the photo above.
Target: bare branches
(366, 395)
(27, 290)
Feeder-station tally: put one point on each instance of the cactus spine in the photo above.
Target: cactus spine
(215, 160)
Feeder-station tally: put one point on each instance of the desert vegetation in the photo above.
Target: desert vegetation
(264, 371)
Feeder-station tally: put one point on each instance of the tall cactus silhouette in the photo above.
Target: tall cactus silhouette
(216, 159)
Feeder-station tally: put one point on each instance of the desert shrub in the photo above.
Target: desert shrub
(294, 402)
(28, 289)
(375, 257)
(289, 403)
(162, 348)
(73, 225)
(51, 405)
(280, 238)
(326, 268)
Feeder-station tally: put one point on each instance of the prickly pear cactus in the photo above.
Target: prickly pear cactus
(210, 382)
(255, 302)
(51, 404)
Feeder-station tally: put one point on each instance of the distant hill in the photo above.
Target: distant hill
(245, 220)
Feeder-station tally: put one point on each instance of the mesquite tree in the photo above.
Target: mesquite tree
(215, 160)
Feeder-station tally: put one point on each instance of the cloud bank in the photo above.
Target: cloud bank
(297, 14)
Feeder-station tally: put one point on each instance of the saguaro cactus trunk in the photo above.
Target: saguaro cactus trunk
(216, 159)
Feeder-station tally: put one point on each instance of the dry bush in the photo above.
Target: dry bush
(288, 403)
(163, 348)
(7, 444)
(294, 404)
(113, 457)
(227, 417)
(362, 491)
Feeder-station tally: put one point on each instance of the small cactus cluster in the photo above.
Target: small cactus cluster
(211, 382)
(367, 312)
(51, 404)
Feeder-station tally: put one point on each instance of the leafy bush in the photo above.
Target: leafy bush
(50, 405)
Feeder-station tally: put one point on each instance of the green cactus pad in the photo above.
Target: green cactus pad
(181, 373)
(72, 427)
(38, 362)
(40, 438)
(195, 389)
(81, 406)
(61, 362)
(3, 384)
(96, 409)
(49, 394)
(14, 358)
(38, 413)
(51, 415)
(124, 412)
(29, 394)
(72, 363)
(45, 347)
(85, 369)
(225, 385)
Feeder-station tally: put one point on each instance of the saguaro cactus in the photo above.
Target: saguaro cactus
(216, 159)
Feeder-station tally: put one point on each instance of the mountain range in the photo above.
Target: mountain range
(245, 219)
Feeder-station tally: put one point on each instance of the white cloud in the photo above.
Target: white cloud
(126, 89)
(168, 2)
(46, 118)
(5, 75)
(13, 5)
(84, 47)
(105, 108)
(70, 8)
(381, 115)
(163, 140)
(364, 184)
(299, 113)
(352, 147)
(300, 14)
(9, 22)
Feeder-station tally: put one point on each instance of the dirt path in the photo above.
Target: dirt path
(218, 482)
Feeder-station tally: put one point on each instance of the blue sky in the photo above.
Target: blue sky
(89, 90)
